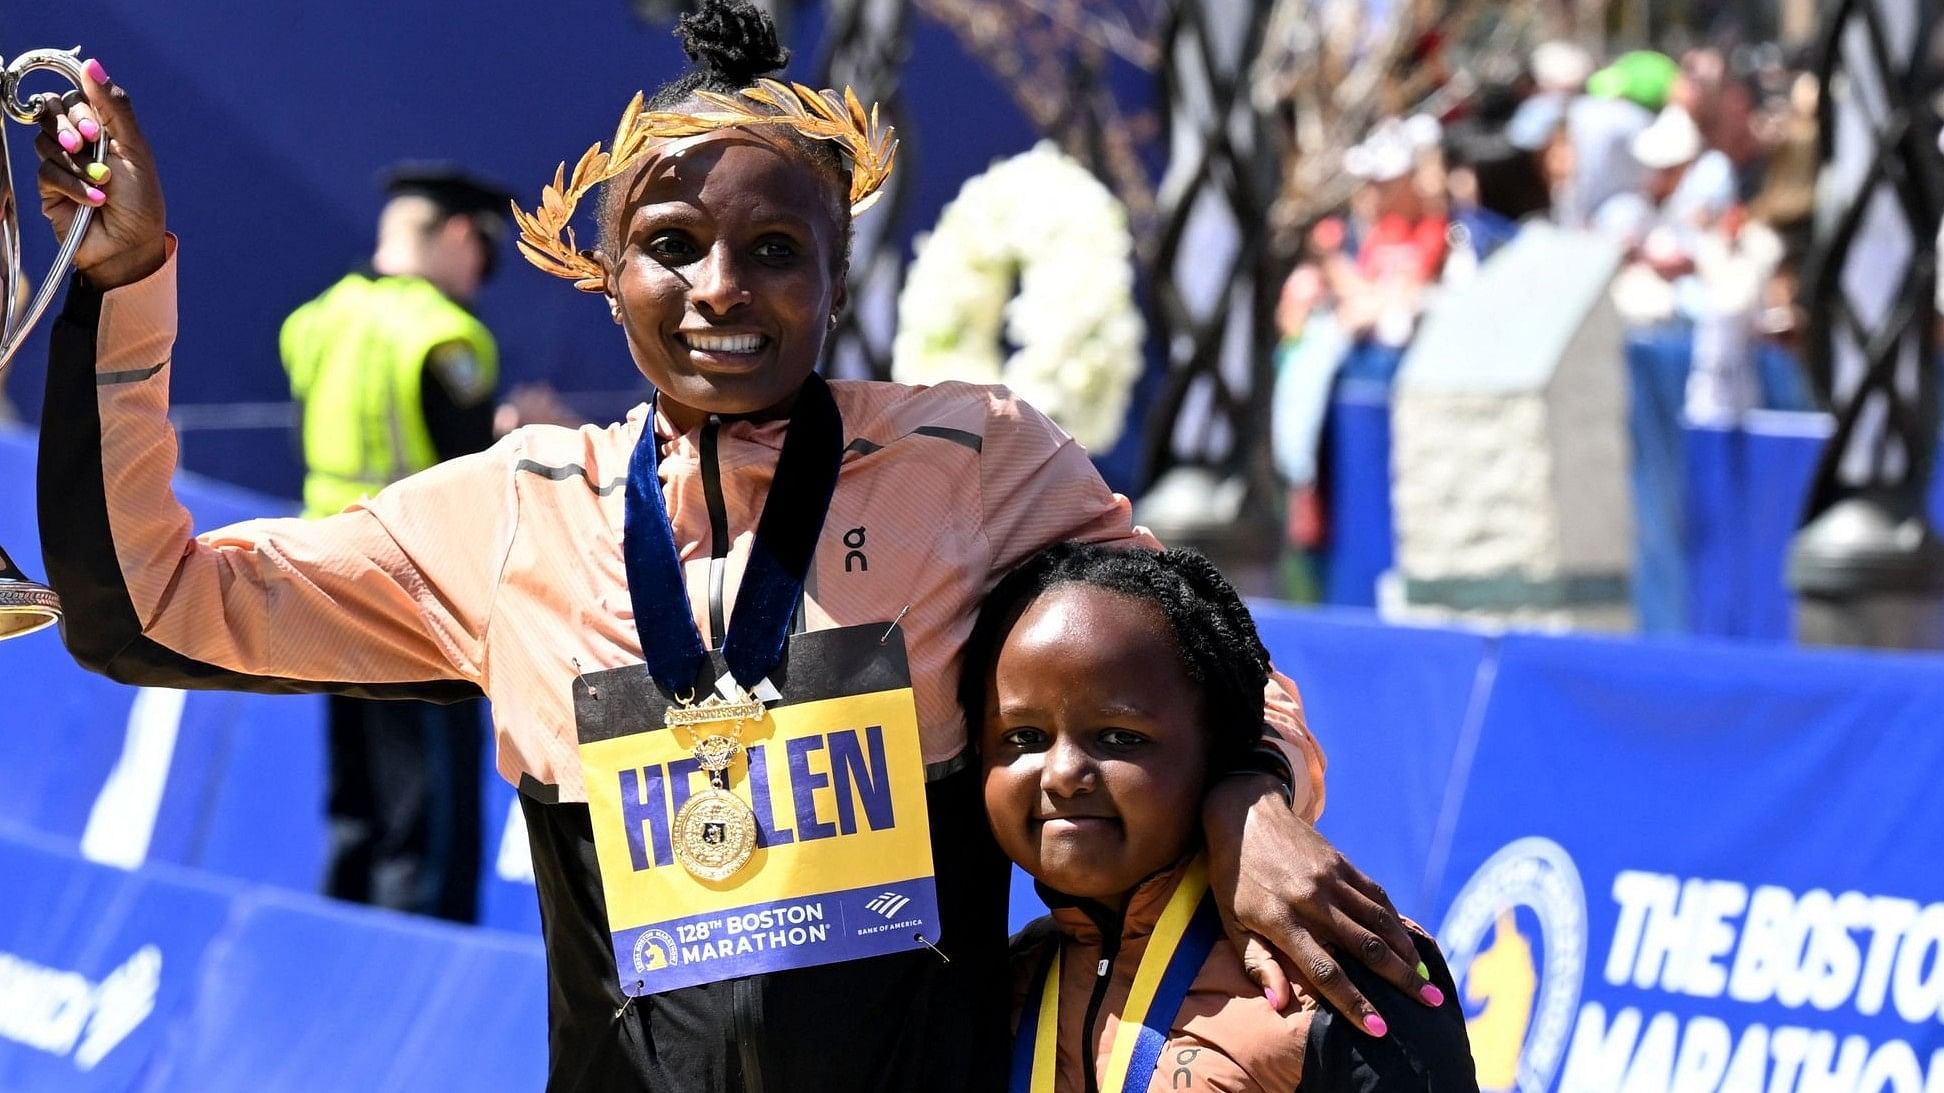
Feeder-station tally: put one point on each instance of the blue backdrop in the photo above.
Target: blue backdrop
(270, 127)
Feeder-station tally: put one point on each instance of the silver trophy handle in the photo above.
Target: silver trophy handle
(14, 329)
(27, 605)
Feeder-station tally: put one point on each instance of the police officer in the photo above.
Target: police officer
(395, 374)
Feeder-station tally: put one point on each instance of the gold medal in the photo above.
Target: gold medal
(715, 833)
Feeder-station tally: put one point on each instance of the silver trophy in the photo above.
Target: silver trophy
(27, 606)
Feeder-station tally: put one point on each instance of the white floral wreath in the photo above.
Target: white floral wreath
(1041, 219)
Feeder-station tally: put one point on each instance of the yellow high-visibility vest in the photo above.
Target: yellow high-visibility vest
(356, 355)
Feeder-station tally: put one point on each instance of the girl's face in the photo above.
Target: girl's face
(727, 275)
(1093, 747)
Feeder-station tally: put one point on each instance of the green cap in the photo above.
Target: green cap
(1642, 77)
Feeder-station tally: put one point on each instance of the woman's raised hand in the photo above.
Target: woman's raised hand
(125, 240)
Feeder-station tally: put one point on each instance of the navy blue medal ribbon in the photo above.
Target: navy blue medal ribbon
(786, 541)
(1203, 932)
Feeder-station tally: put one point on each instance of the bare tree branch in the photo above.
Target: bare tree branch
(1053, 56)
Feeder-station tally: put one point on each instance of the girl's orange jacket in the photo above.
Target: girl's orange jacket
(1225, 1037)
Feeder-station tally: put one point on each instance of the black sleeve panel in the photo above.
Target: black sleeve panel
(99, 623)
(1426, 1050)
(458, 426)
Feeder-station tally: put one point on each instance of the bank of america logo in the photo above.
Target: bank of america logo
(888, 904)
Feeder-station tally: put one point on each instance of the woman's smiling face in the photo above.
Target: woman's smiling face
(728, 273)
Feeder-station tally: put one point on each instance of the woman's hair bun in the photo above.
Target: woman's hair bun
(732, 39)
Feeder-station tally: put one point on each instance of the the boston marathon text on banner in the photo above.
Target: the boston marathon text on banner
(1652, 866)
(1684, 869)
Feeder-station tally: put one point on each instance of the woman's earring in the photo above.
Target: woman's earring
(833, 320)
(614, 310)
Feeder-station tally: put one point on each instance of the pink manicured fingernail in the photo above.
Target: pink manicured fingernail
(96, 197)
(1375, 1025)
(89, 130)
(1432, 996)
(95, 72)
(1274, 1002)
(68, 140)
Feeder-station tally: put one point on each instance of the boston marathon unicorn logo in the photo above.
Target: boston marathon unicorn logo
(1516, 941)
(654, 951)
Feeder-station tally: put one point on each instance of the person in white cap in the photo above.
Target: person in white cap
(1343, 299)
(1405, 245)
(1688, 187)
(1696, 263)
(1691, 182)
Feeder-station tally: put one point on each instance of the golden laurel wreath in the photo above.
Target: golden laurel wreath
(546, 237)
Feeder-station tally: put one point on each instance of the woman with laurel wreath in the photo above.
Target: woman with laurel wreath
(529, 572)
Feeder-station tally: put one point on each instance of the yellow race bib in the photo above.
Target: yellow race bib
(831, 778)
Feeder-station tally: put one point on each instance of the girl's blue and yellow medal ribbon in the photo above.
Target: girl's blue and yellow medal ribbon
(1188, 929)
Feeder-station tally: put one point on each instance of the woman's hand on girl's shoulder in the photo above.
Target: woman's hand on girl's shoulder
(1291, 903)
(126, 239)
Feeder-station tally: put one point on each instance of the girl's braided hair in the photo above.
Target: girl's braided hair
(730, 45)
(1212, 630)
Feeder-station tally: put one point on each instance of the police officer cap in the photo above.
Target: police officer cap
(451, 188)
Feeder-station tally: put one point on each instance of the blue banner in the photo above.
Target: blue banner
(1700, 868)
(158, 978)
(95, 965)
(1392, 707)
(310, 995)
(232, 783)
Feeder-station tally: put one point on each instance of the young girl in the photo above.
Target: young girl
(559, 571)
(1105, 686)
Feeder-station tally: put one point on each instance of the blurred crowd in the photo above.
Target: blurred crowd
(1700, 170)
